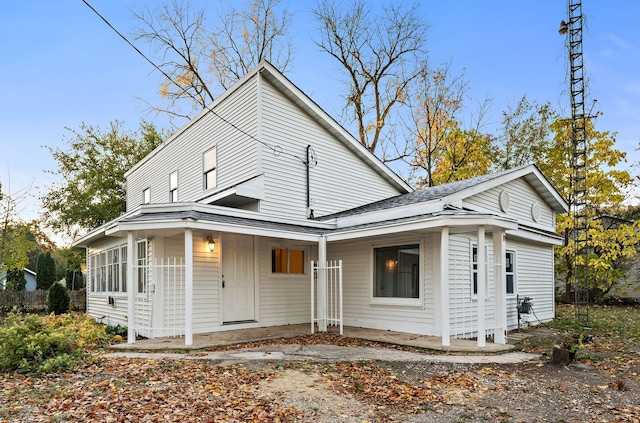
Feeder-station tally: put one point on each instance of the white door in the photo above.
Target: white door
(238, 284)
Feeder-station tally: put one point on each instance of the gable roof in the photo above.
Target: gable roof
(295, 95)
(463, 189)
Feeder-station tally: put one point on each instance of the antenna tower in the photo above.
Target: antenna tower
(579, 208)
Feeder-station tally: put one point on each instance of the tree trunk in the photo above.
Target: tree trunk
(560, 356)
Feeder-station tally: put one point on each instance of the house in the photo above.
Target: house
(29, 275)
(263, 211)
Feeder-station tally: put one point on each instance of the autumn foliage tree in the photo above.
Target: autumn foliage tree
(609, 245)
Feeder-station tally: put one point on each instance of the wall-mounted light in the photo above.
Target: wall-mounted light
(391, 264)
(211, 243)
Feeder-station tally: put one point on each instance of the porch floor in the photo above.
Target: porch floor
(241, 336)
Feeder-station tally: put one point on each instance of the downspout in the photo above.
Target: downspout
(308, 166)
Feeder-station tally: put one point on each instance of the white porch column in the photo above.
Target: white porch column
(500, 285)
(482, 287)
(188, 286)
(444, 286)
(131, 288)
(322, 284)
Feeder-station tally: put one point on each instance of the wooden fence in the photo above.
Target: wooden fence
(36, 301)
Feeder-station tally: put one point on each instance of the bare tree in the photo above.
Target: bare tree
(248, 36)
(381, 54)
(203, 61)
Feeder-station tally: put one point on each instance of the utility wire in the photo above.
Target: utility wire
(277, 150)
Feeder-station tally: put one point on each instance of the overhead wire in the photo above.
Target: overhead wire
(277, 150)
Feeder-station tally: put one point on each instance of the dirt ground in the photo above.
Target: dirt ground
(529, 392)
(120, 389)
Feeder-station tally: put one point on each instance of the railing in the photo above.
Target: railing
(328, 310)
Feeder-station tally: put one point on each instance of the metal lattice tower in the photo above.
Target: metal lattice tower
(579, 206)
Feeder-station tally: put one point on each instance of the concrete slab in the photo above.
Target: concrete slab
(242, 336)
(326, 353)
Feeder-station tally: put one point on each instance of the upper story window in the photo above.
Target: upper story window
(209, 168)
(396, 272)
(146, 196)
(173, 187)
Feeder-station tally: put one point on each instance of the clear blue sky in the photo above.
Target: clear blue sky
(61, 66)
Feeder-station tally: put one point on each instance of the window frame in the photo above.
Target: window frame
(397, 301)
(514, 273)
(107, 272)
(173, 187)
(474, 270)
(272, 246)
(141, 274)
(146, 196)
(208, 170)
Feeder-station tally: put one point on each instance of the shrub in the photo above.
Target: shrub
(58, 299)
(44, 344)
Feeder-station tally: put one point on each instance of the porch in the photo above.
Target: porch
(241, 336)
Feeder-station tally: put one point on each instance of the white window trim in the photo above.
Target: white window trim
(391, 301)
(474, 295)
(173, 188)
(205, 171)
(144, 195)
(287, 246)
(515, 273)
(136, 265)
(92, 273)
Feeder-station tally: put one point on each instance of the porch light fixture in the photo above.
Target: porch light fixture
(211, 243)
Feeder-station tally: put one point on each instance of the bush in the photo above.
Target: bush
(58, 299)
(44, 344)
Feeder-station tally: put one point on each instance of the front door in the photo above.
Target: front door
(238, 278)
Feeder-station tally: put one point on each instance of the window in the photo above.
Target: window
(284, 260)
(173, 187)
(509, 266)
(209, 169)
(396, 271)
(146, 196)
(474, 269)
(141, 264)
(108, 271)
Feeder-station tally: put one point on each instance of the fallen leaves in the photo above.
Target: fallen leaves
(136, 390)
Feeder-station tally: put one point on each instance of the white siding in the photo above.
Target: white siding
(534, 272)
(236, 152)
(357, 285)
(521, 196)
(339, 181)
(206, 281)
(284, 298)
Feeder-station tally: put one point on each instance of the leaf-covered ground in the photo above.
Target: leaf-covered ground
(148, 390)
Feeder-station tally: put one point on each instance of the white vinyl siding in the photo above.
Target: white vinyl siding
(333, 186)
(357, 289)
(236, 151)
(285, 298)
(521, 199)
(535, 266)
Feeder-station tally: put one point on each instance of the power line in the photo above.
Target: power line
(277, 150)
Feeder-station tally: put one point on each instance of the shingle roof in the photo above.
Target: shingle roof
(426, 194)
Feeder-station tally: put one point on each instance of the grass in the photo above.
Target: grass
(611, 338)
